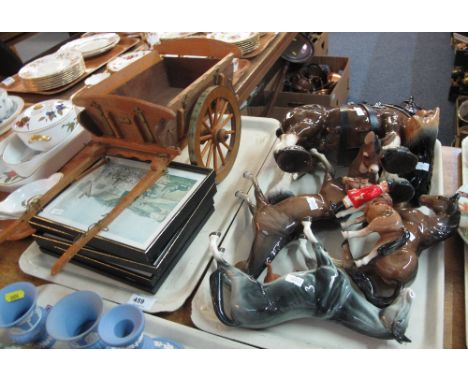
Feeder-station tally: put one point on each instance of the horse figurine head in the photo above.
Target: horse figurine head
(300, 132)
(423, 123)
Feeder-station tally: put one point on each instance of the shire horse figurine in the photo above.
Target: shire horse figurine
(383, 275)
(324, 292)
(340, 132)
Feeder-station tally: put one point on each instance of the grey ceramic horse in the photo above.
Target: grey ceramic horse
(324, 292)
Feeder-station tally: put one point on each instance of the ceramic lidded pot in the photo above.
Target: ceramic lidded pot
(46, 124)
(20, 315)
(74, 320)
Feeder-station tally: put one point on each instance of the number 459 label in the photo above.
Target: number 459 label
(143, 302)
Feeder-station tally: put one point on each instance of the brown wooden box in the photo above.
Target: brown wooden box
(289, 100)
(321, 45)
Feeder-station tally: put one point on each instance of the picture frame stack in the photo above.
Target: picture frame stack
(144, 243)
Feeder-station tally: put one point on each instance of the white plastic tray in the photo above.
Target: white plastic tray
(426, 321)
(465, 181)
(257, 137)
(50, 294)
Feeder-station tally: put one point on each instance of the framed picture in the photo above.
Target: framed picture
(160, 210)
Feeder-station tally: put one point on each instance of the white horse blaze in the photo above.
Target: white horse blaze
(286, 140)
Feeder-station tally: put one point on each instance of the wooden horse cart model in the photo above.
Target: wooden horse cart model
(150, 111)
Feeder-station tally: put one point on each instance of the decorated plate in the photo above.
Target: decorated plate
(126, 59)
(232, 37)
(93, 45)
(50, 65)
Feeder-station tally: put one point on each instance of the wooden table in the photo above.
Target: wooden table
(260, 65)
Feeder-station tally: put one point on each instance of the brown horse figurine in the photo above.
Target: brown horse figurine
(384, 276)
(340, 132)
(383, 219)
(276, 223)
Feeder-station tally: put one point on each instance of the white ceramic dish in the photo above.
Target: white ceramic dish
(96, 78)
(23, 160)
(93, 45)
(5, 124)
(46, 163)
(45, 124)
(126, 59)
(258, 135)
(16, 203)
(465, 181)
(50, 294)
(426, 320)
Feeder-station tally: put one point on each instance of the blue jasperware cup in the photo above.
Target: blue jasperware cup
(20, 315)
(74, 320)
(122, 327)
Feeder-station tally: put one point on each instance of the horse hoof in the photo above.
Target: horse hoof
(401, 190)
(399, 160)
(293, 159)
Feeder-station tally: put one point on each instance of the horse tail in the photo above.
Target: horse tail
(392, 246)
(367, 285)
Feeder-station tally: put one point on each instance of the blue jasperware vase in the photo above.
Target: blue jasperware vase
(20, 315)
(74, 320)
(122, 327)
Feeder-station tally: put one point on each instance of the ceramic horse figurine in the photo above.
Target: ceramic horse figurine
(339, 133)
(324, 292)
(276, 220)
(383, 219)
(384, 276)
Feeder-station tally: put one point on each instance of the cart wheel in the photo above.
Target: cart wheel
(214, 132)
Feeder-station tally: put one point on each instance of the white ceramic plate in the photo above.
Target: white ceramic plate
(50, 294)
(50, 65)
(17, 202)
(233, 37)
(257, 137)
(465, 181)
(126, 59)
(426, 321)
(93, 45)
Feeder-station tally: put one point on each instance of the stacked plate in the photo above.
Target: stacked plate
(93, 45)
(246, 41)
(52, 71)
